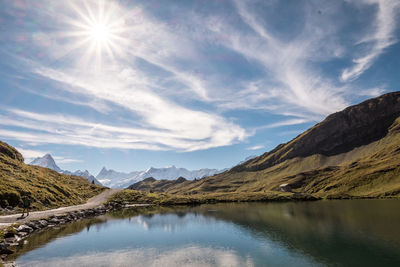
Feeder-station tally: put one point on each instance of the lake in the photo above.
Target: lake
(319, 233)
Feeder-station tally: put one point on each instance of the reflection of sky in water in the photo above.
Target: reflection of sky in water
(163, 240)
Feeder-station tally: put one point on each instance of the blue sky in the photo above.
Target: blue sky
(196, 84)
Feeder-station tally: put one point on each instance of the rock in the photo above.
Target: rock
(24, 228)
(23, 234)
(11, 240)
(6, 251)
(33, 225)
(54, 221)
(285, 187)
(9, 234)
(62, 216)
(42, 223)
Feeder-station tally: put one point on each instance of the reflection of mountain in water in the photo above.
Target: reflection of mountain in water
(346, 233)
(42, 238)
(343, 233)
(167, 218)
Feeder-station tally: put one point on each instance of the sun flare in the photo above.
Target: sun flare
(99, 30)
(100, 33)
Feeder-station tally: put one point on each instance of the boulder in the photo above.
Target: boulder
(33, 225)
(24, 228)
(54, 221)
(9, 234)
(42, 223)
(6, 251)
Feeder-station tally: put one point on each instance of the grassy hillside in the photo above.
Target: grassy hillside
(352, 153)
(46, 188)
(134, 196)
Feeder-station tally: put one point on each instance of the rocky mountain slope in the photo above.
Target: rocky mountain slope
(352, 153)
(46, 188)
(47, 161)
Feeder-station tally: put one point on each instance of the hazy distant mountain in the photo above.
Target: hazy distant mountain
(113, 178)
(84, 173)
(47, 161)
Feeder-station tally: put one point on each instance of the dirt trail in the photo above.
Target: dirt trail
(92, 203)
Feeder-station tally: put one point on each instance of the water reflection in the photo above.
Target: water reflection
(186, 256)
(340, 233)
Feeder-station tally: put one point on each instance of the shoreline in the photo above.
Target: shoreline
(15, 234)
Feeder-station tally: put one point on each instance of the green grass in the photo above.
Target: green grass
(46, 188)
(140, 197)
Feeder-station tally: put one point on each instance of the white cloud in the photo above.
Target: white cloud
(283, 123)
(61, 129)
(63, 160)
(256, 147)
(156, 113)
(31, 154)
(293, 85)
(144, 94)
(186, 256)
(381, 38)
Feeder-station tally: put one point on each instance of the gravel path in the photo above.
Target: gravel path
(92, 203)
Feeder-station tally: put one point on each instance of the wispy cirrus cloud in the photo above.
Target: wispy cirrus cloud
(170, 86)
(293, 84)
(283, 123)
(256, 147)
(70, 130)
(375, 43)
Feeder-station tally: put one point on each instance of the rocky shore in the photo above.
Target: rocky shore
(15, 234)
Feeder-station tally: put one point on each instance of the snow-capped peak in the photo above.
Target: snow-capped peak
(113, 178)
(47, 161)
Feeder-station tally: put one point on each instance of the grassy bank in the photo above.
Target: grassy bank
(134, 196)
(46, 188)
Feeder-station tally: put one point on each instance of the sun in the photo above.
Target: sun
(98, 31)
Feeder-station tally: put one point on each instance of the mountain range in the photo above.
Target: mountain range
(352, 153)
(116, 179)
(47, 161)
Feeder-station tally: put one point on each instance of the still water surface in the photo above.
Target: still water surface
(321, 233)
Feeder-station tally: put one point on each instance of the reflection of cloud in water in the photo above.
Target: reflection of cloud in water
(188, 256)
(170, 222)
